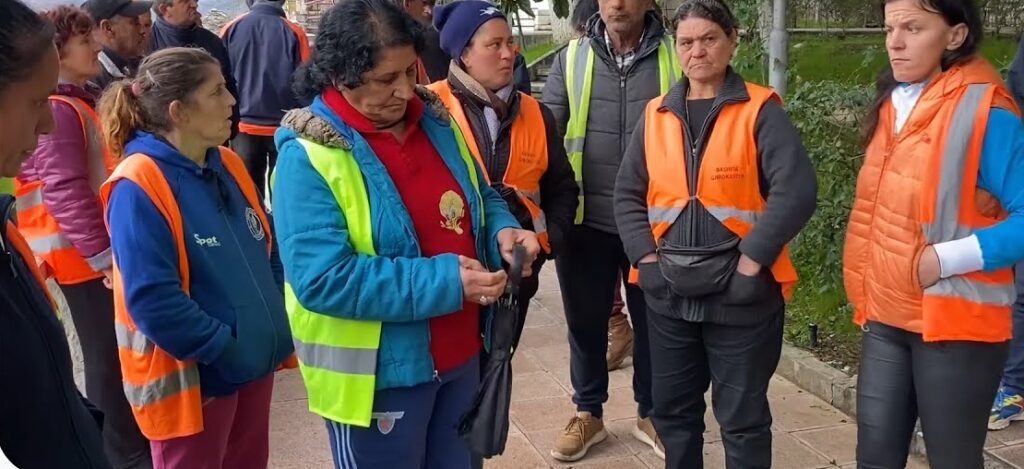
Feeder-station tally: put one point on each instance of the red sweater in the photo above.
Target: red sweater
(422, 179)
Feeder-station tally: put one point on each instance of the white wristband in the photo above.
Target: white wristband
(960, 256)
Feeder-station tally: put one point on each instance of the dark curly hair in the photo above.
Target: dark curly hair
(24, 39)
(715, 11)
(68, 21)
(348, 44)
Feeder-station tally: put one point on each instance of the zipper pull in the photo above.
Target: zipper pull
(622, 81)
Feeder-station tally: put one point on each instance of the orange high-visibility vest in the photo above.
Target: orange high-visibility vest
(527, 156)
(40, 229)
(163, 391)
(727, 181)
(919, 187)
(19, 245)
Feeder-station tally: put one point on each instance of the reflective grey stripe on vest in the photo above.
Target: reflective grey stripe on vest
(140, 395)
(93, 138)
(946, 226)
(359, 361)
(579, 77)
(574, 145)
(663, 214)
(132, 340)
(722, 213)
(30, 200)
(671, 214)
(977, 292)
(50, 242)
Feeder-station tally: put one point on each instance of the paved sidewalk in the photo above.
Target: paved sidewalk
(808, 432)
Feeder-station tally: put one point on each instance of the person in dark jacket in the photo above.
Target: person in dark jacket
(265, 50)
(58, 190)
(479, 88)
(623, 44)
(1015, 77)
(120, 30)
(734, 207)
(176, 24)
(46, 422)
(1009, 403)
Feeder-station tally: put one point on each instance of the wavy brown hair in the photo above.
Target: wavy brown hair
(68, 21)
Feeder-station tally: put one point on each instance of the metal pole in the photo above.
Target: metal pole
(778, 49)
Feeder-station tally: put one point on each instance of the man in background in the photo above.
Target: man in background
(176, 24)
(265, 48)
(119, 30)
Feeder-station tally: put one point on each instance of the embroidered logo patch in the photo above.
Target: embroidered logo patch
(255, 225)
(453, 210)
(386, 421)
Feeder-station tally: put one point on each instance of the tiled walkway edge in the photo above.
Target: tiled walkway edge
(804, 370)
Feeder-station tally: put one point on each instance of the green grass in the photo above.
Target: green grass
(534, 52)
(852, 59)
(6, 186)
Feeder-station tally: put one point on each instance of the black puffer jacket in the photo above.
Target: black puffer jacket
(46, 422)
(617, 102)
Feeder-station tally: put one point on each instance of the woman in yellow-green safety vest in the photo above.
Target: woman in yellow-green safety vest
(389, 236)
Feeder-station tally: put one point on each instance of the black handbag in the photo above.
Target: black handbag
(693, 272)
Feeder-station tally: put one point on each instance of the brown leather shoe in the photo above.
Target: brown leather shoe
(620, 341)
(645, 433)
(582, 432)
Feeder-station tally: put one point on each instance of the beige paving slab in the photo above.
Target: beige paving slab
(298, 438)
(1012, 435)
(1011, 454)
(536, 386)
(542, 414)
(836, 443)
(804, 412)
(536, 337)
(519, 453)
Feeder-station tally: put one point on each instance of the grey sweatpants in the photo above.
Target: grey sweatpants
(950, 385)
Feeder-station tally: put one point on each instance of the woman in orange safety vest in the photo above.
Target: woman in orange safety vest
(714, 184)
(198, 288)
(937, 223)
(512, 136)
(60, 215)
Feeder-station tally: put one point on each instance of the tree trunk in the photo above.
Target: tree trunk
(778, 51)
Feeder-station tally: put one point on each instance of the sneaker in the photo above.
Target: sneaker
(645, 433)
(1007, 408)
(620, 341)
(583, 431)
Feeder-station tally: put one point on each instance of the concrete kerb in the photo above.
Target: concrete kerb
(812, 375)
(838, 389)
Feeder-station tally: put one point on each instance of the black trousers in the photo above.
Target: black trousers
(92, 310)
(259, 154)
(738, 363)
(588, 269)
(950, 385)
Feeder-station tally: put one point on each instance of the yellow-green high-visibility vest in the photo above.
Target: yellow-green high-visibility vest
(579, 78)
(337, 356)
